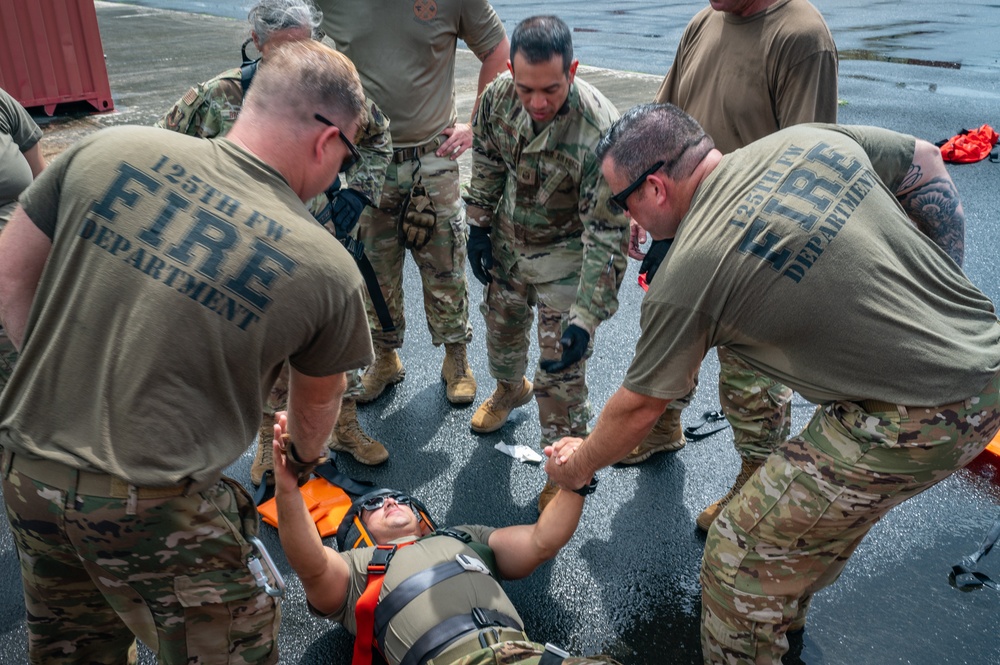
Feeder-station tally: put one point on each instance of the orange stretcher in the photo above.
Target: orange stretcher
(327, 504)
(994, 447)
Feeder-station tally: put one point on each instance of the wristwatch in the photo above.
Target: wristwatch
(589, 488)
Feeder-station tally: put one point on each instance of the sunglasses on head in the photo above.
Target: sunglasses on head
(377, 502)
(355, 153)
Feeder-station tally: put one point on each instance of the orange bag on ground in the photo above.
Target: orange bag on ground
(327, 504)
(969, 145)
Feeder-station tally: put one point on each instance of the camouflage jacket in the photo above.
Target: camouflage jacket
(545, 197)
(209, 109)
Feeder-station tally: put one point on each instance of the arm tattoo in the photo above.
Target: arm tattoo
(912, 177)
(935, 208)
(485, 56)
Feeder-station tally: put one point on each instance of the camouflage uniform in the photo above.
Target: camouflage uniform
(522, 653)
(209, 109)
(758, 408)
(441, 261)
(201, 601)
(791, 530)
(555, 243)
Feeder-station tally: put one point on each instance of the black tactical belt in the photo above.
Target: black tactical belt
(400, 155)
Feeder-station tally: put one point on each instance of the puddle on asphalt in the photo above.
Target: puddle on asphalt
(863, 54)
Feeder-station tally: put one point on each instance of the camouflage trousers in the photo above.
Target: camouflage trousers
(758, 408)
(441, 261)
(522, 653)
(563, 405)
(792, 528)
(98, 572)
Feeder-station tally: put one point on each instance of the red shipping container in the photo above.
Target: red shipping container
(51, 53)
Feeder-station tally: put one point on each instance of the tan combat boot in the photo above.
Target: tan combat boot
(385, 371)
(493, 413)
(263, 459)
(348, 437)
(708, 515)
(457, 375)
(548, 493)
(666, 436)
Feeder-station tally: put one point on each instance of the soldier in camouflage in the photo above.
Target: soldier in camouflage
(780, 253)
(405, 53)
(209, 109)
(541, 233)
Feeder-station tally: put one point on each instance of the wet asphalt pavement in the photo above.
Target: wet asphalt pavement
(627, 584)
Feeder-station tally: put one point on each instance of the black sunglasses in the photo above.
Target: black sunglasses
(619, 202)
(355, 153)
(377, 502)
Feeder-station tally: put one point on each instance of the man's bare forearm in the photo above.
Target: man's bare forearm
(313, 407)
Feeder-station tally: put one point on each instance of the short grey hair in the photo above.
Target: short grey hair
(267, 17)
(650, 133)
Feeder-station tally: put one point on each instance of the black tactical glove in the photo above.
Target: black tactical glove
(346, 206)
(416, 218)
(480, 251)
(654, 256)
(342, 210)
(574, 345)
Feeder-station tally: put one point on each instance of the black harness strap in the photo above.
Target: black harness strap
(247, 71)
(371, 283)
(435, 640)
(328, 472)
(416, 584)
(356, 249)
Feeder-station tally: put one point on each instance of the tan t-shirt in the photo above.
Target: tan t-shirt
(745, 78)
(183, 271)
(798, 258)
(405, 53)
(458, 595)
(18, 134)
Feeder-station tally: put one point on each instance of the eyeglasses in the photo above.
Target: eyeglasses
(619, 202)
(377, 502)
(355, 153)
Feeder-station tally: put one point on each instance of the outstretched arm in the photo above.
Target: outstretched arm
(324, 574)
(624, 422)
(522, 548)
(929, 197)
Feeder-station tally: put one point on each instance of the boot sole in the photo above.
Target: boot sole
(365, 398)
(521, 402)
(458, 401)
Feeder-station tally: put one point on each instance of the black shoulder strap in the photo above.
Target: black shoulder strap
(247, 71)
(416, 584)
(435, 640)
(328, 472)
